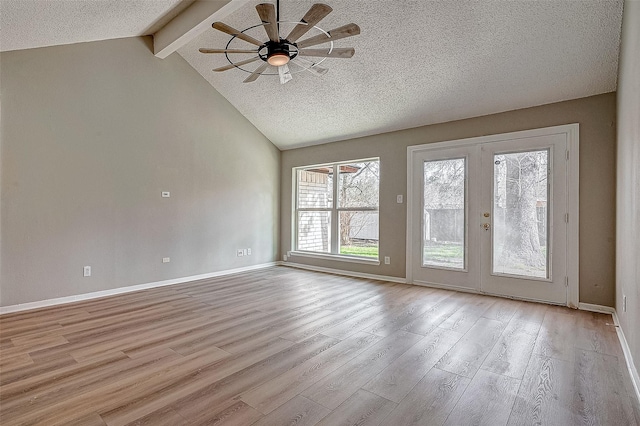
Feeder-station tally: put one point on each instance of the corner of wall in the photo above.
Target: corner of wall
(628, 181)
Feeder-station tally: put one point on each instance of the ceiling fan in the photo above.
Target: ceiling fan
(279, 51)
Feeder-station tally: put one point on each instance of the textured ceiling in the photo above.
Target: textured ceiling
(25, 24)
(417, 62)
(422, 62)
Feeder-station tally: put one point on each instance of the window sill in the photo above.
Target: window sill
(338, 257)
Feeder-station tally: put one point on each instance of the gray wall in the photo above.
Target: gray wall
(596, 116)
(91, 135)
(628, 201)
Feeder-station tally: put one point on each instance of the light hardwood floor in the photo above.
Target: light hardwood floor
(282, 346)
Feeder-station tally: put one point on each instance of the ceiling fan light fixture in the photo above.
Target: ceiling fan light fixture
(278, 54)
(278, 59)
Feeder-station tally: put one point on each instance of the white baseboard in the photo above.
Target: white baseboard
(596, 308)
(633, 371)
(128, 289)
(345, 273)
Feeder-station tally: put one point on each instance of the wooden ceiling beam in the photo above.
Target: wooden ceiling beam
(194, 20)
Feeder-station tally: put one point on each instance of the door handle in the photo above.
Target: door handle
(486, 226)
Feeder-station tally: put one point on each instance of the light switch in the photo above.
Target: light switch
(399, 199)
(166, 194)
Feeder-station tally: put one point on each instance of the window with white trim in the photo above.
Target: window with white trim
(336, 208)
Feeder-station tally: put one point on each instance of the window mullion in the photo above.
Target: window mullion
(335, 244)
(358, 209)
(296, 211)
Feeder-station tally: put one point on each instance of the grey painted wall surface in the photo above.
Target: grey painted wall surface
(596, 116)
(628, 200)
(91, 135)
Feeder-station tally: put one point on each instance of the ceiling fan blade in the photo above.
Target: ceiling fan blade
(346, 52)
(233, 32)
(335, 34)
(237, 64)
(267, 13)
(284, 73)
(254, 75)
(203, 50)
(314, 15)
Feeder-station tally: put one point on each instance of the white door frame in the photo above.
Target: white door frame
(572, 156)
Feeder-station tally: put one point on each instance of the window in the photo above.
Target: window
(336, 208)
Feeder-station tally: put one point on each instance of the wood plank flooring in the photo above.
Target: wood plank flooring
(282, 346)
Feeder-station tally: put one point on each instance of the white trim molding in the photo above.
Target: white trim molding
(631, 367)
(573, 209)
(596, 308)
(345, 273)
(633, 371)
(569, 129)
(128, 289)
(337, 257)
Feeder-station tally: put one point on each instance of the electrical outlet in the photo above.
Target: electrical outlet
(284, 257)
(249, 252)
(624, 303)
(239, 253)
(86, 271)
(387, 260)
(166, 259)
(166, 194)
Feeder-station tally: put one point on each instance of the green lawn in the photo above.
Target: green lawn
(443, 251)
(448, 255)
(367, 251)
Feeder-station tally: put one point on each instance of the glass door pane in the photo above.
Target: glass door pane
(520, 219)
(444, 211)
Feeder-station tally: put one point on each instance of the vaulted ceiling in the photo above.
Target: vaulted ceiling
(26, 24)
(416, 62)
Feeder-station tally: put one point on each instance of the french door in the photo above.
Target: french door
(490, 214)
